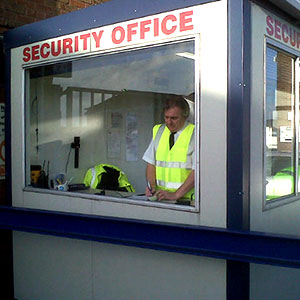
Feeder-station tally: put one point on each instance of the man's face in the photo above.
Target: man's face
(174, 119)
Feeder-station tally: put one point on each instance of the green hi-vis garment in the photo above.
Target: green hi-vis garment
(93, 177)
(173, 166)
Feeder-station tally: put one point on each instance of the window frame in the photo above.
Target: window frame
(196, 208)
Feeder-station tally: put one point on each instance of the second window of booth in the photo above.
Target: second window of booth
(98, 112)
(281, 125)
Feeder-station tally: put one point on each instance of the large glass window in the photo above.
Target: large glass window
(280, 125)
(98, 112)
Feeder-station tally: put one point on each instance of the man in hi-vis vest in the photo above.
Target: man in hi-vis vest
(170, 155)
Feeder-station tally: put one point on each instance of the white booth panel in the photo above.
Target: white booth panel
(276, 283)
(210, 119)
(48, 267)
(51, 268)
(274, 215)
(278, 214)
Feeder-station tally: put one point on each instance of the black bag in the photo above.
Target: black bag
(110, 180)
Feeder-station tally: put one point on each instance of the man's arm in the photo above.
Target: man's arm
(181, 191)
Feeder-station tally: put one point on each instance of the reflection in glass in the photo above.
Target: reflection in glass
(111, 102)
(279, 130)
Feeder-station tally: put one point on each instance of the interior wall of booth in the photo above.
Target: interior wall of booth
(268, 282)
(102, 127)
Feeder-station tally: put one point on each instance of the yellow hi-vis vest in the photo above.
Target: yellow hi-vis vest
(172, 165)
(93, 177)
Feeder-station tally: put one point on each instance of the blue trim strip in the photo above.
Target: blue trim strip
(238, 124)
(237, 277)
(94, 16)
(238, 105)
(246, 111)
(196, 240)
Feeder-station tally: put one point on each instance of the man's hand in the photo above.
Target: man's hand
(149, 192)
(165, 195)
(181, 191)
(151, 179)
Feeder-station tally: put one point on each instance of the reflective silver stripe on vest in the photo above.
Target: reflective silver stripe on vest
(158, 136)
(169, 185)
(94, 176)
(174, 164)
(192, 143)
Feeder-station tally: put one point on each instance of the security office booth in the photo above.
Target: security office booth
(85, 90)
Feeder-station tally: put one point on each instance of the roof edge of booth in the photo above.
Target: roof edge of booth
(291, 7)
(288, 9)
(92, 17)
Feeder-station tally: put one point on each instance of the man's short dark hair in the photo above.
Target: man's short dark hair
(178, 101)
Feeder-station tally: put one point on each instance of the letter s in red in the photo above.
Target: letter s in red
(26, 54)
(270, 28)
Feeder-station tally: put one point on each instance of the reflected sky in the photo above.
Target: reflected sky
(155, 69)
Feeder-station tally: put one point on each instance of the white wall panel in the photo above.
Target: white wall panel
(51, 268)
